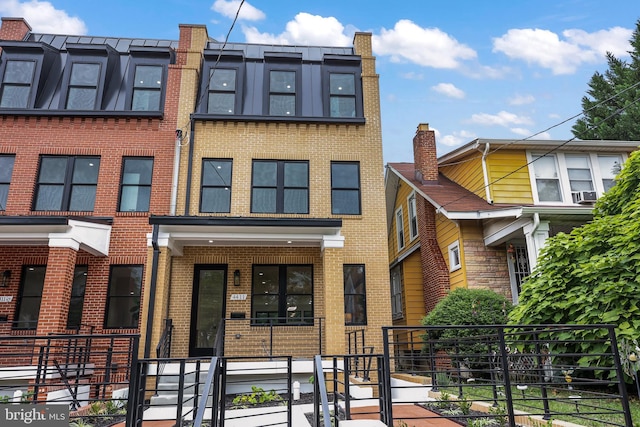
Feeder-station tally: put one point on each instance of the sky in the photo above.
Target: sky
(506, 69)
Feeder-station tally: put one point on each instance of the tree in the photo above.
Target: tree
(592, 275)
(618, 117)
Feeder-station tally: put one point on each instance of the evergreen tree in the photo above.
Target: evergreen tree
(619, 117)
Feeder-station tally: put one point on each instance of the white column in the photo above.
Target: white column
(536, 234)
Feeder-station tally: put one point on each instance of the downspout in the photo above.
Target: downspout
(485, 173)
(187, 197)
(176, 172)
(152, 290)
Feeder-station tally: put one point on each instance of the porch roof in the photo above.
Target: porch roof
(91, 234)
(176, 232)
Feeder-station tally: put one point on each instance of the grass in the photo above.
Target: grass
(602, 409)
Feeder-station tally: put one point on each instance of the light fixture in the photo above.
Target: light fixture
(512, 252)
(236, 278)
(6, 275)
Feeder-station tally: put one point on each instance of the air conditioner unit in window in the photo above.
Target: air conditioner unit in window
(584, 197)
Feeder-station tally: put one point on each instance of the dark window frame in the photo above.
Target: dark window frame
(340, 65)
(285, 65)
(280, 186)
(147, 56)
(203, 186)
(30, 98)
(123, 185)
(355, 295)
(112, 298)
(282, 318)
(6, 185)
(67, 184)
(224, 60)
(77, 298)
(30, 325)
(341, 188)
(397, 309)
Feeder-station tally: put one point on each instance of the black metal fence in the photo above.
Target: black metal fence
(516, 375)
(90, 373)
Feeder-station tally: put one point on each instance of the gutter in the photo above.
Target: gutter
(187, 197)
(485, 173)
(152, 290)
(176, 173)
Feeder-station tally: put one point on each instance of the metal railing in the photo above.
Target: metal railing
(515, 375)
(321, 397)
(360, 365)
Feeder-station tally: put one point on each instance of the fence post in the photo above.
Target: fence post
(386, 373)
(507, 381)
(622, 389)
(543, 386)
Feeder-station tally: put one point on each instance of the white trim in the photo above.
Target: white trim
(412, 207)
(454, 248)
(400, 229)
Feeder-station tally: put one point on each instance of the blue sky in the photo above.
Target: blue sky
(471, 69)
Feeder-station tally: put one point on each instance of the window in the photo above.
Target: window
(355, 295)
(342, 87)
(123, 300)
(400, 228)
(579, 173)
(83, 86)
(17, 84)
(280, 187)
(147, 88)
(547, 180)
(282, 93)
(74, 319)
(30, 298)
(222, 91)
(609, 168)
(413, 216)
(342, 94)
(454, 256)
(282, 294)
(67, 183)
(216, 186)
(135, 187)
(345, 188)
(6, 170)
(396, 292)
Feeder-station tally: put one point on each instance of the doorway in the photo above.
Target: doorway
(208, 307)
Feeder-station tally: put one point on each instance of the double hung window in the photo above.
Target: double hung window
(609, 167)
(147, 88)
(400, 228)
(74, 318)
(355, 295)
(222, 91)
(396, 292)
(216, 186)
(282, 93)
(342, 94)
(413, 216)
(6, 170)
(282, 294)
(280, 186)
(67, 183)
(17, 83)
(135, 187)
(345, 188)
(82, 93)
(547, 178)
(123, 300)
(30, 298)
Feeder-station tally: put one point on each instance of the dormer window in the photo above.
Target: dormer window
(342, 95)
(83, 86)
(342, 87)
(222, 91)
(282, 93)
(147, 88)
(17, 84)
(282, 84)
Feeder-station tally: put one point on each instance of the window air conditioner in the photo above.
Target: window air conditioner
(584, 197)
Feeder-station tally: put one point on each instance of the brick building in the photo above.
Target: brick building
(144, 180)
(478, 216)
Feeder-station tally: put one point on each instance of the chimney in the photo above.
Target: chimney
(14, 29)
(424, 154)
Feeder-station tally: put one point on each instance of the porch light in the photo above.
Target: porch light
(236, 278)
(6, 275)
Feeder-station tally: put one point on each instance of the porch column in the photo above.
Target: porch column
(161, 309)
(536, 235)
(56, 291)
(334, 330)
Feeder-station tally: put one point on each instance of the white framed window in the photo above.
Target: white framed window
(396, 292)
(400, 228)
(413, 216)
(572, 178)
(454, 256)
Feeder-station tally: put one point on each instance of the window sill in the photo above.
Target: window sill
(132, 214)
(280, 119)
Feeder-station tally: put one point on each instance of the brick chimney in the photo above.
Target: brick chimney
(424, 154)
(14, 29)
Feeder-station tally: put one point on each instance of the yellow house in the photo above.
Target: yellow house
(276, 244)
(478, 216)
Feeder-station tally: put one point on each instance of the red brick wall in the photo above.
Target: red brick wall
(14, 29)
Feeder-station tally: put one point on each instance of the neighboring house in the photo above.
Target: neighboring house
(278, 243)
(86, 156)
(478, 216)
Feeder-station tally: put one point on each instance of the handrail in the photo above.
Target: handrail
(320, 388)
(163, 350)
(218, 343)
(211, 374)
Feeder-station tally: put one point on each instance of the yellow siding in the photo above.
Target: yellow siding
(516, 187)
(448, 232)
(401, 201)
(467, 174)
(412, 298)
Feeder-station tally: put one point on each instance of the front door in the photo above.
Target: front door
(209, 290)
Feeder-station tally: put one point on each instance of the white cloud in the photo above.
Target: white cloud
(521, 99)
(43, 17)
(521, 131)
(545, 48)
(429, 47)
(305, 29)
(448, 89)
(229, 8)
(455, 138)
(614, 40)
(503, 118)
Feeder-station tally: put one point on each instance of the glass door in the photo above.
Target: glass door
(209, 290)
